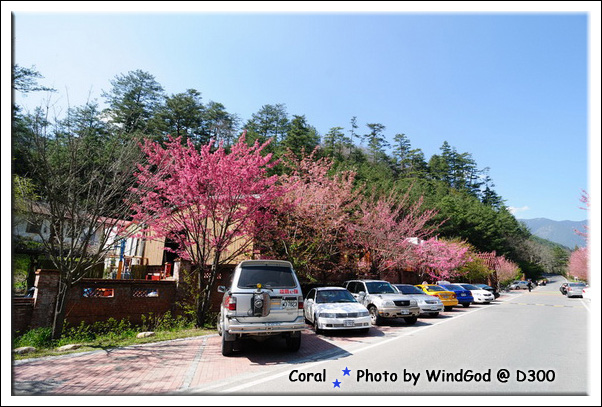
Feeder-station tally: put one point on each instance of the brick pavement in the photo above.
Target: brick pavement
(178, 366)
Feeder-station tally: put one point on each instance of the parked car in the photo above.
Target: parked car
(563, 288)
(588, 293)
(480, 296)
(448, 298)
(519, 285)
(383, 301)
(335, 308)
(464, 296)
(429, 305)
(263, 300)
(574, 290)
(492, 290)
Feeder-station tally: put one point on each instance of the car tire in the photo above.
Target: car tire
(410, 320)
(316, 329)
(227, 346)
(466, 305)
(374, 317)
(293, 343)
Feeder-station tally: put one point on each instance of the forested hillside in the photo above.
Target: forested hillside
(451, 184)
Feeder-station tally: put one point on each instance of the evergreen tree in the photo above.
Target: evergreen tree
(376, 141)
(181, 115)
(300, 136)
(271, 121)
(218, 124)
(134, 98)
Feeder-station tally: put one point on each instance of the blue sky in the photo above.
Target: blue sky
(510, 88)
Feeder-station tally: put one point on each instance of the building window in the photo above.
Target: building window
(33, 227)
(145, 292)
(92, 292)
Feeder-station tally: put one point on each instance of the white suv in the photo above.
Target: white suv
(383, 301)
(264, 300)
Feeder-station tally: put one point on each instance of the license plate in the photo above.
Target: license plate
(289, 303)
(404, 312)
(434, 308)
(462, 295)
(348, 322)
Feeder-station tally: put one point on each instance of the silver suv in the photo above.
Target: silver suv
(383, 301)
(264, 300)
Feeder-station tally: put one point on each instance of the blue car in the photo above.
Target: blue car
(463, 295)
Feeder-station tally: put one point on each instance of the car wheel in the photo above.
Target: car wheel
(410, 320)
(374, 317)
(316, 325)
(227, 346)
(448, 308)
(466, 305)
(293, 343)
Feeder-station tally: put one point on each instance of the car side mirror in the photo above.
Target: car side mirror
(361, 294)
(221, 289)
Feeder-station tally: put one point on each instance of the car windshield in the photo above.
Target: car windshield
(435, 288)
(267, 276)
(409, 289)
(379, 287)
(577, 284)
(470, 287)
(327, 296)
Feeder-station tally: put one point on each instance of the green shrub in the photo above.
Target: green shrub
(38, 338)
(165, 322)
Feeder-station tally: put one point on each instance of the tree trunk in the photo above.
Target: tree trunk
(31, 271)
(205, 303)
(58, 322)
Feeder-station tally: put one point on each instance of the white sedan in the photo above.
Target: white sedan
(335, 308)
(480, 296)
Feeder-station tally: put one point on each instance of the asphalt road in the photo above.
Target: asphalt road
(539, 338)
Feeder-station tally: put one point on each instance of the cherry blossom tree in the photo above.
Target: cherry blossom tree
(384, 229)
(578, 264)
(315, 215)
(437, 259)
(585, 200)
(506, 270)
(210, 202)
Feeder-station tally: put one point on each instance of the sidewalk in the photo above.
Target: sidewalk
(179, 366)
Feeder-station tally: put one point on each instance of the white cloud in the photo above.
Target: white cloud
(514, 210)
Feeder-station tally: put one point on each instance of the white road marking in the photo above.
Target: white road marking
(367, 347)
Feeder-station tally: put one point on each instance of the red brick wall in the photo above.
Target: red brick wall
(122, 304)
(37, 312)
(21, 313)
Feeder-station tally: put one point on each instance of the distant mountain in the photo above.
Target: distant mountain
(561, 232)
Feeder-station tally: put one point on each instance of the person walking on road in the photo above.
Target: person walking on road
(530, 285)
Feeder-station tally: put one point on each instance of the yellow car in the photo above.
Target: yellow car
(448, 298)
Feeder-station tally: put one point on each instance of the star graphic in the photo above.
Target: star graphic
(337, 383)
(346, 371)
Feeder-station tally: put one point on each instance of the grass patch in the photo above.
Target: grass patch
(106, 335)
